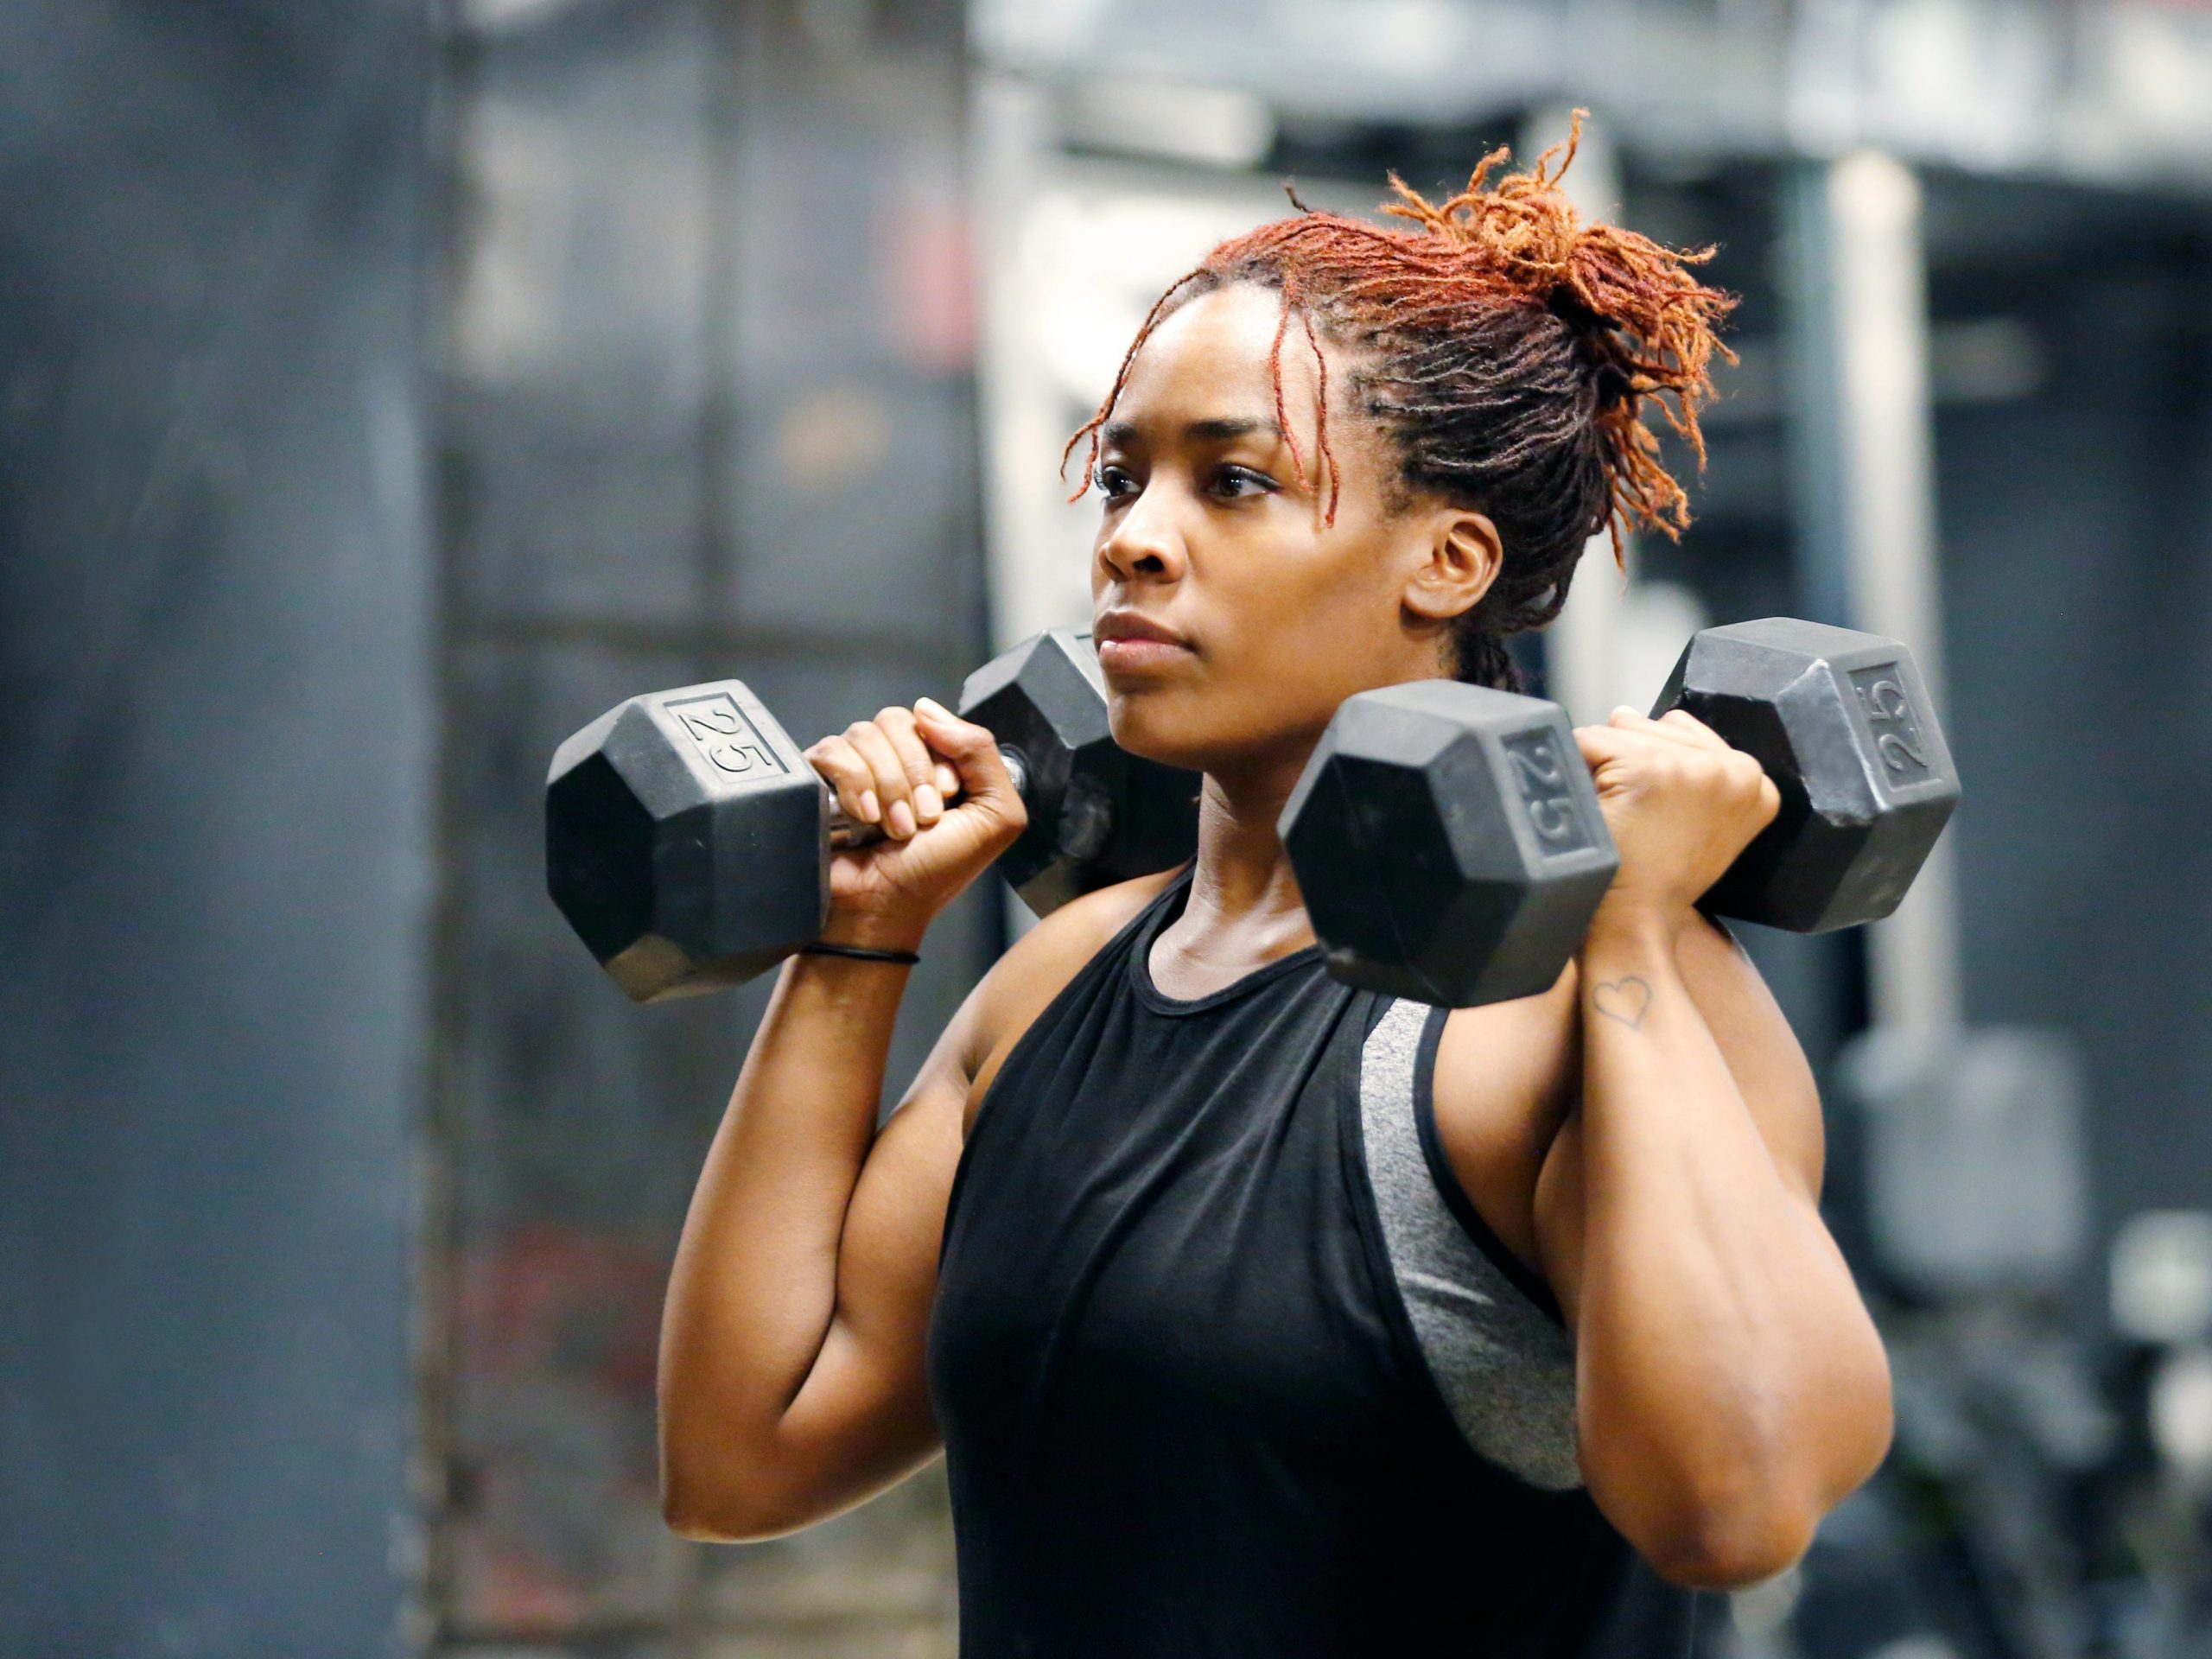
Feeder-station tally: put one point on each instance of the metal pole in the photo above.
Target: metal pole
(1863, 425)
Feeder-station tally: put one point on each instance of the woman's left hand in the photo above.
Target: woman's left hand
(1681, 804)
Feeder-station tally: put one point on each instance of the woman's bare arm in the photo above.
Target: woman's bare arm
(790, 1344)
(1731, 1386)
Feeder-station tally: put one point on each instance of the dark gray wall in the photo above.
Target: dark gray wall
(2078, 574)
(705, 409)
(214, 849)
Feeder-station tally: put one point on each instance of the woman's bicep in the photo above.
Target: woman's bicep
(871, 1356)
(862, 1419)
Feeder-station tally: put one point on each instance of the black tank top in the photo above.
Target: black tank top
(1184, 1411)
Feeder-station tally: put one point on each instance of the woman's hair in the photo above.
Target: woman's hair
(1509, 352)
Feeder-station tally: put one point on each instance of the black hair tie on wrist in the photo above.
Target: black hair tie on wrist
(858, 953)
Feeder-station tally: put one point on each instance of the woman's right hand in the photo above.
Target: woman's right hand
(899, 771)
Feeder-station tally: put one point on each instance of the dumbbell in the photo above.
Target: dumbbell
(688, 839)
(1447, 839)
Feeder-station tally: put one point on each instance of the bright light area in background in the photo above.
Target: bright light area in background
(1075, 251)
(1174, 120)
(2162, 1277)
(489, 15)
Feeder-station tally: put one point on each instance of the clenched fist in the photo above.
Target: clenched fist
(1681, 804)
(938, 787)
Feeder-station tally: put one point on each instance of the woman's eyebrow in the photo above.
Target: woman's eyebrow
(1221, 428)
(1215, 429)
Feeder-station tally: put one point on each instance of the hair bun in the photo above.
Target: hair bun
(1648, 327)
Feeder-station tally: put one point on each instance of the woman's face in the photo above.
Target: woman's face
(1268, 618)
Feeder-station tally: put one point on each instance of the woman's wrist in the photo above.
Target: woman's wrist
(1634, 921)
(862, 932)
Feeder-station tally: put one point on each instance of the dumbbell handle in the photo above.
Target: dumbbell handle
(846, 831)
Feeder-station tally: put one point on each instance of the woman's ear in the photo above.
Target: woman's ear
(1464, 555)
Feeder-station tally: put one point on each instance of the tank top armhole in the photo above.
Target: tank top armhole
(1134, 934)
(1480, 1232)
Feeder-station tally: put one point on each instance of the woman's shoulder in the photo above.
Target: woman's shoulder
(1022, 983)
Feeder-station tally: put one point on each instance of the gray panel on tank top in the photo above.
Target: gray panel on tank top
(1505, 1367)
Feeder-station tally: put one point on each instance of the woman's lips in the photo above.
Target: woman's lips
(1133, 653)
(1129, 640)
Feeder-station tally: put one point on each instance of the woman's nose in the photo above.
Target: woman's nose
(1144, 542)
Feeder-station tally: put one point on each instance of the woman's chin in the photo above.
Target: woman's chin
(1143, 727)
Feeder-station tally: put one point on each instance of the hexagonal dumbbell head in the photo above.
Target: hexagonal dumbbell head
(1447, 841)
(686, 841)
(1097, 814)
(1841, 723)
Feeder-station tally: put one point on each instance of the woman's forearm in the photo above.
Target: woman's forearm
(1732, 1386)
(754, 1286)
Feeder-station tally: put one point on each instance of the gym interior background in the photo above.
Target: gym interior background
(388, 387)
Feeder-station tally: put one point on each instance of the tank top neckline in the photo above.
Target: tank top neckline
(1165, 909)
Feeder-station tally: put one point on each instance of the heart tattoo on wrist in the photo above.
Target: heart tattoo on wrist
(1624, 999)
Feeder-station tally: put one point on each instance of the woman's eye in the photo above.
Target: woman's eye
(1237, 482)
(1114, 483)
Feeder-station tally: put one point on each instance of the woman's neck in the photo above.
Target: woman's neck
(1244, 908)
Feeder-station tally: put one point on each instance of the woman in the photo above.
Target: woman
(1256, 1314)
